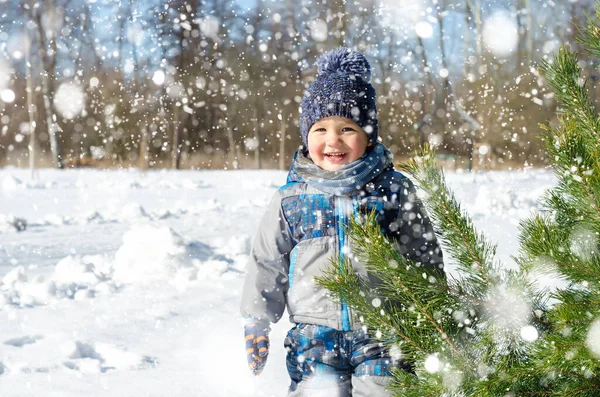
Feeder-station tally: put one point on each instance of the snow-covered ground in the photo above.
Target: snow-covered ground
(123, 283)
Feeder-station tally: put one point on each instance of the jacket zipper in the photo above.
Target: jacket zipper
(342, 210)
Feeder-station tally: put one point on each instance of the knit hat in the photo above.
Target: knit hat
(342, 88)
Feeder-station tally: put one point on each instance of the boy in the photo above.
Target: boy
(340, 171)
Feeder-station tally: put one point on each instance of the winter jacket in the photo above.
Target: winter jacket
(302, 232)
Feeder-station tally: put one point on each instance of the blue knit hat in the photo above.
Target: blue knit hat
(342, 88)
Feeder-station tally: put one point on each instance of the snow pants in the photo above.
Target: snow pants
(324, 362)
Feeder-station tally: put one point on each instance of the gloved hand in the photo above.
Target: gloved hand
(257, 343)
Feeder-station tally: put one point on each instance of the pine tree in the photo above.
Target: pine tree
(491, 331)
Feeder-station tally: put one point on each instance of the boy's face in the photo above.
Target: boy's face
(336, 141)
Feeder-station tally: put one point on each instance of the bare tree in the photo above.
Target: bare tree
(46, 20)
(30, 106)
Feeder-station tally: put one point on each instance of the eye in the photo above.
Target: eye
(348, 129)
(319, 129)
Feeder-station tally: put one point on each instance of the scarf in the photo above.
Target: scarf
(343, 181)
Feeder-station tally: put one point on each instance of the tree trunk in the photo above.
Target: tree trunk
(176, 149)
(48, 76)
(143, 159)
(475, 6)
(339, 16)
(140, 104)
(282, 164)
(529, 32)
(257, 136)
(30, 108)
(231, 155)
(430, 101)
(468, 13)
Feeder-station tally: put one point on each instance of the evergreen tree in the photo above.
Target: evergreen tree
(491, 331)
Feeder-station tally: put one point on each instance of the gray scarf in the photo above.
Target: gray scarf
(349, 178)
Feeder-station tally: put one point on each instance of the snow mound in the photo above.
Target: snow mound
(236, 245)
(194, 184)
(16, 289)
(245, 204)
(56, 220)
(206, 206)
(13, 277)
(252, 184)
(149, 253)
(214, 268)
(94, 217)
(133, 212)
(10, 223)
(77, 271)
(510, 202)
(74, 277)
(102, 357)
(11, 183)
(175, 184)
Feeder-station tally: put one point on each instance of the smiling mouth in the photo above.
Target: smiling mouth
(335, 156)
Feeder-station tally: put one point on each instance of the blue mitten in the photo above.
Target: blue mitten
(257, 343)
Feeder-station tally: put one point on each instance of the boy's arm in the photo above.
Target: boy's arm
(415, 234)
(266, 282)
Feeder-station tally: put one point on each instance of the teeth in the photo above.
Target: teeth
(335, 154)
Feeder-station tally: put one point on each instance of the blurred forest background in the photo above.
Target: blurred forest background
(217, 84)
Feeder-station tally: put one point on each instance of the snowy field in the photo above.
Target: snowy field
(126, 283)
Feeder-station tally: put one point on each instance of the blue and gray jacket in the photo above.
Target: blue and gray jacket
(302, 231)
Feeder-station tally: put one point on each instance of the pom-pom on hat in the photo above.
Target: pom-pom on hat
(342, 88)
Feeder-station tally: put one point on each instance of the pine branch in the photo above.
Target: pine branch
(406, 293)
(454, 225)
(457, 322)
(564, 77)
(589, 36)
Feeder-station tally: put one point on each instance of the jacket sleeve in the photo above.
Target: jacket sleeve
(415, 235)
(266, 282)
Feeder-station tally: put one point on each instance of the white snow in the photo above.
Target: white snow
(128, 283)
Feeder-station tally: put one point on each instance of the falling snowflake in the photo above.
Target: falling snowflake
(593, 338)
(69, 100)
(158, 77)
(529, 333)
(424, 29)
(584, 242)
(500, 34)
(251, 144)
(432, 364)
(7, 96)
(318, 29)
(5, 73)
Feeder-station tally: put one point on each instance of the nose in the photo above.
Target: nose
(333, 138)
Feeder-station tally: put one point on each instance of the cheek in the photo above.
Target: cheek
(314, 149)
(359, 147)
